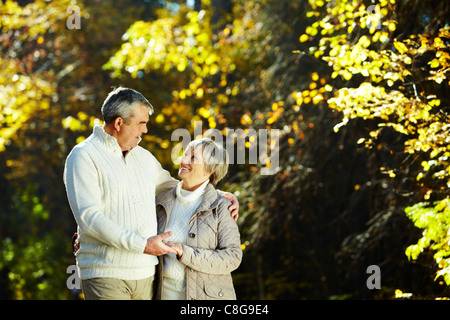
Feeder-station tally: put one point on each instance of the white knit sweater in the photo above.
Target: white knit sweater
(112, 198)
(186, 203)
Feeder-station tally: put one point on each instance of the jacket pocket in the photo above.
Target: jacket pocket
(218, 292)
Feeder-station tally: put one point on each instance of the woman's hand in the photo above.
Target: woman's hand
(177, 246)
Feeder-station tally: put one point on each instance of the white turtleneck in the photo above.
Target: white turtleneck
(186, 203)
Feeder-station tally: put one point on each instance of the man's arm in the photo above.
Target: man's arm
(234, 208)
(163, 179)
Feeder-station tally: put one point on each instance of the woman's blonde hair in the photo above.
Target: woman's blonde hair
(215, 157)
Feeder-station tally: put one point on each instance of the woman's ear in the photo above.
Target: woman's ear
(212, 178)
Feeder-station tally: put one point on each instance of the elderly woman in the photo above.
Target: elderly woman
(205, 236)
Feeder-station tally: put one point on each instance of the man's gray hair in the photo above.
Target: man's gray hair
(121, 102)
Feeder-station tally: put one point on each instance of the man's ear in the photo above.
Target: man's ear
(118, 122)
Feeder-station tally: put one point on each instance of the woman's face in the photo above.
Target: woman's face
(192, 169)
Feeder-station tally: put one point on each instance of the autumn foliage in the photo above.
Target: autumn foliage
(403, 84)
(359, 91)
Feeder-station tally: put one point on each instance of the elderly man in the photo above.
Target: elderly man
(111, 185)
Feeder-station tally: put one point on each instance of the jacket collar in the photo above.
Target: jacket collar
(210, 199)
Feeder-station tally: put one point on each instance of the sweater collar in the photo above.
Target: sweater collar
(105, 138)
(190, 196)
(109, 141)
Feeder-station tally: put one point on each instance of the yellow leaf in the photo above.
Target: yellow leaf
(364, 41)
(181, 67)
(303, 38)
(271, 120)
(434, 102)
(164, 144)
(442, 205)
(383, 36)
(311, 31)
(346, 75)
(317, 99)
(204, 112)
(214, 69)
(212, 122)
(434, 153)
(400, 46)
(400, 295)
(159, 118)
(291, 142)
(434, 63)
(392, 26)
(200, 92)
(82, 116)
(425, 165)
(245, 119)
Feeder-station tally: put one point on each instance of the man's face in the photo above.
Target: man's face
(130, 134)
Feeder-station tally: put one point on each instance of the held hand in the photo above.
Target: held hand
(177, 246)
(156, 247)
(234, 208)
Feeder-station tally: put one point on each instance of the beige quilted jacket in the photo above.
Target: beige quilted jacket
(213, 248)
